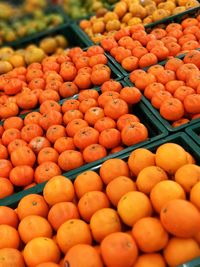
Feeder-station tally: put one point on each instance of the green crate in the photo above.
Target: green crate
(156, 131)
(194, 132)
(193, 263)
(83, 36)
(156, 113)
(31, 38)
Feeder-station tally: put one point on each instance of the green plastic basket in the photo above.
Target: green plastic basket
(194, 132)
(156, 131)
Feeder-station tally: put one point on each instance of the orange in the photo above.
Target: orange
(47, 264)
(194, 195)
(83, 255)
(113, 168)
(9, 237)
(173, 253)
(119, 187)
(8, 216)
(11, 257)
(134, 206)
(150, 235)
(149, 177)
(34, 226)
(90, 202)
(170, 157)
(104, 222)
(150, 260)
(40, 250)
(62, 212)
(71, 233)
(87, 181)
(119, 249)
(58, 189)
(165, 191)
(181, 218)
(187, 176)
(139, 159)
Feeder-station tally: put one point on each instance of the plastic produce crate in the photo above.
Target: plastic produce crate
(193, 12)
(156, 132)
(31, 38)
(115, 73)
(166, 123)
(194, 132)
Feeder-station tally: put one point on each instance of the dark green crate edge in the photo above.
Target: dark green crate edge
(154, 111)
(8, 201)
(191, 131)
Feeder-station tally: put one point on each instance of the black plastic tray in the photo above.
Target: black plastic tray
(194, 132)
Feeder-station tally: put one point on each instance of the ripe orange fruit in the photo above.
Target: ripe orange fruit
(90, 202)
(187, 176)
(58, 189)
(45, 249)
(119, 187)
(119, 249)
(11, 256)
(9, 237)
(134, 206)
(86, 182)
(139, 159)
(170, 157)
(181, 218)
(149, 177)
(165, 191)
(73, 232)
(173, 253)
(76, 256)
(150, 260)
(104, 222)
(8, 216)
(194, 195)
(34, 226)
(150, 235)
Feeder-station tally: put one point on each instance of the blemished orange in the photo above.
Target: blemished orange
(170, 157)
(34, 226)
(173, 253)
(113, 168)
(165, 191)
(104, 222)
(58, 189)
(194, 195)
(45, 249)
(83, 255)
(73, 232)
(180, 218)
(150, 235)
(90, 202)
(87, 181)
(150, 260)
(119, 187)
(139, 159)
(187, 176)
(149, 177)
(11, 254)
(133, 206)
(119, 249)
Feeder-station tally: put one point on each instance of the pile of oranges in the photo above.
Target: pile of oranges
(55, 78)
(134, 48)
(139, 213)
(173, 89)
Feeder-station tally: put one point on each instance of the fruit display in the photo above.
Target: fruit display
(56, 77)
(134, 48)
(60, 138)
(173, 89)
(10, 58)
(128, 13)
(83, 8)
(116, 215)
(26, 26)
